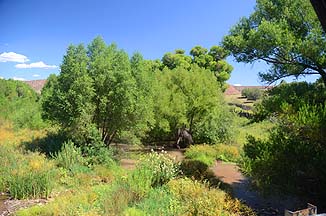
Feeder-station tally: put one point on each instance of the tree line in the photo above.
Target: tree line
(100, 89)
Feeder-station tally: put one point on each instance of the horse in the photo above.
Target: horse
(184, 136)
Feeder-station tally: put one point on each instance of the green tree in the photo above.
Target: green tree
(19, 104)
(284, 33)
(95, 88)
(191, 97)
(213, 60)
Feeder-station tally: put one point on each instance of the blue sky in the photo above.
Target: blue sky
(35, 34)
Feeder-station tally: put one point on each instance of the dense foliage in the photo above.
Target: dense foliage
(101, 88)
(293, 156)
(191, 97)
(289, 98)
(212, 60)
(286, 34)
(19, 104)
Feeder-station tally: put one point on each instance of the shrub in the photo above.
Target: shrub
(160, 168)
(69, 156)
(252, 93)
(204, 153)
(293, 156)
(194, 169)
(227, 153)
(197, 198)
(19, 104)
(99, 154)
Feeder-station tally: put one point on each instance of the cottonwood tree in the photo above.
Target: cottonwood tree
(95, 88)
(192, 98)
(213, 60)
(284, 33)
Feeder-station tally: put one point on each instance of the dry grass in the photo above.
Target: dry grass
(10, 136)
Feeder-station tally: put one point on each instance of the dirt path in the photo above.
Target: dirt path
(242, 189)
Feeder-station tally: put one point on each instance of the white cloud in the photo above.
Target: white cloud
(13, 57)
(36, 75)
(36, 65)
(237, 85)
(19, 78)
(1, 77)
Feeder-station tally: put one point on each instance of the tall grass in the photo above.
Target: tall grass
(25, 175)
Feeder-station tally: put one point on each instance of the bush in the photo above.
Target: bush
(161, 168)
(70, 156)
(203, 153)
(293, 158)
(194, 169)
(197, 198)
(227, 153)
(286, 98)
(215, 127)
(252, 93)
(99, 154)
(19, 103)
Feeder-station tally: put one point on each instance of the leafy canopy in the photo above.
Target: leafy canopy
(213, 60)
(284, 33)
(95, 89)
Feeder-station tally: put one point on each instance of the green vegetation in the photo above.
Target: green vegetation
(252, 93)
(25, 176)
(19, 105)
(298, 133)
(102, 94)
(286, 34)
(212, 60)
(137, 194)
(208, 154)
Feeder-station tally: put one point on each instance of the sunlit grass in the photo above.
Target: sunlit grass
(11, 136)
(245, 128)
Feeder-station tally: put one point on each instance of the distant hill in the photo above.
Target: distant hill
(235, 90)
(37, 85)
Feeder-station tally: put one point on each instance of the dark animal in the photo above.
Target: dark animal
(184, 137)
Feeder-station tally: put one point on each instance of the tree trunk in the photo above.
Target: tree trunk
(111, 137)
